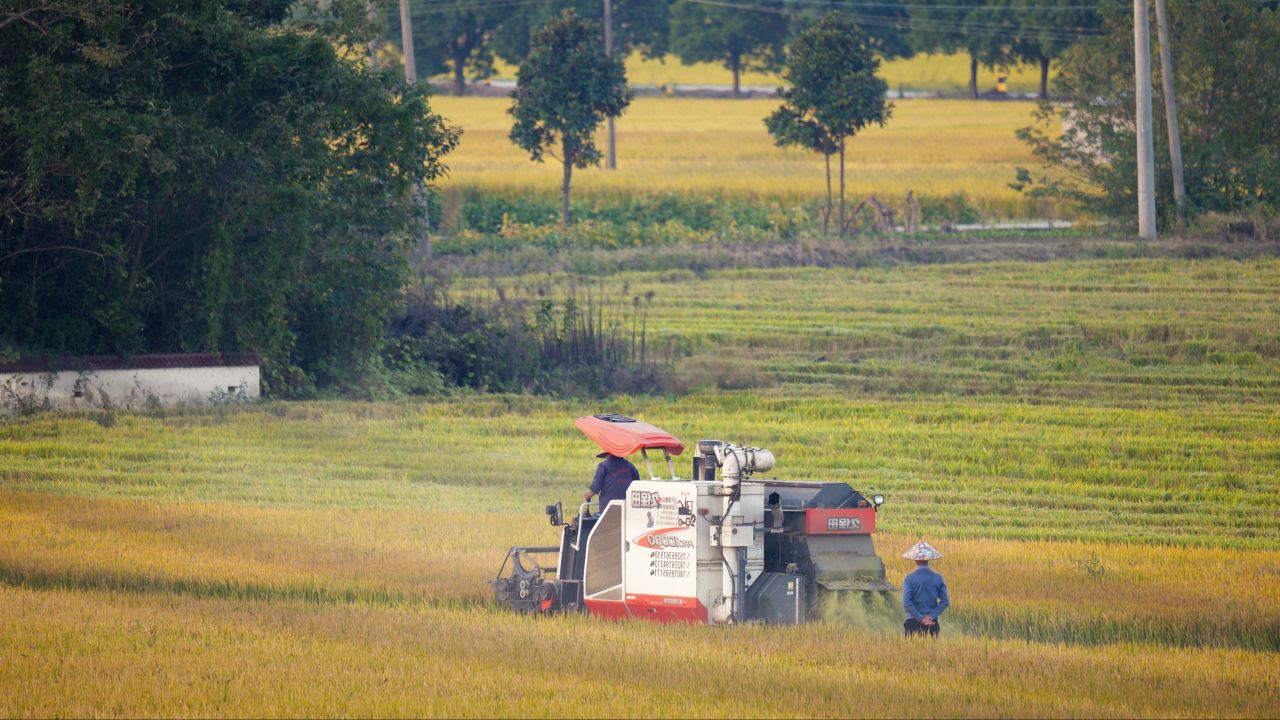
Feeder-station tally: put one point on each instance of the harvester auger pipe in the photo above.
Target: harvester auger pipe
(700, 550)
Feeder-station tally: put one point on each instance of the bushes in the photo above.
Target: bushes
(511, 345)
(488, 211)
(476, 221)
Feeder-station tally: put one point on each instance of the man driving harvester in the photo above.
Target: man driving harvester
(612, 478)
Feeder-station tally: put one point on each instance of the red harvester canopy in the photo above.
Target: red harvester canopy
(620, 435)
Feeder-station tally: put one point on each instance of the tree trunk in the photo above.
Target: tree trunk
(735, 64)
(564, 186)
(826, 216)
(841, 187)
(459, 78)
(973, 76)
(1044, 78)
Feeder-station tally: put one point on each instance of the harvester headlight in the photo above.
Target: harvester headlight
(878, 500)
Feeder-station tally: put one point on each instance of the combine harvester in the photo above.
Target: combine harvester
(721, 548)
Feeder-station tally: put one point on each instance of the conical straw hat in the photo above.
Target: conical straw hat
(922, 551)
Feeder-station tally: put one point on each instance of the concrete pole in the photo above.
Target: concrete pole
(611, 155)
(419, 192)
(1170, 105)
(1142, 115)
(373, 43)
(406, 40)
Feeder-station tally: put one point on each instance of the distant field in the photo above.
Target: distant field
(1167, 333)
(937, 148)
(1094, 445)
(924, 72)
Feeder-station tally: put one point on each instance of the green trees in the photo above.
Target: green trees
(456, 37)
(1029, 31)
(832, 94)
(737, 38)
(1001, 32)
(189, 175)
(1228, 92)
(638, 25)
(886, 23)
(953, 26)
(566, 87)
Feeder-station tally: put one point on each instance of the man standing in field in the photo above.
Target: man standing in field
(924, 592)
(613, 477)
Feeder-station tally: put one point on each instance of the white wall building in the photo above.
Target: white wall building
(133, 383)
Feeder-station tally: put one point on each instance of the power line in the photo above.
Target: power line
(927, 6)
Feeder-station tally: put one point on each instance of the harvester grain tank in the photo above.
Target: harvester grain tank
(722, 547)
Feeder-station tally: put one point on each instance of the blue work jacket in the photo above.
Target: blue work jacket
(612, 478)
(924, 592)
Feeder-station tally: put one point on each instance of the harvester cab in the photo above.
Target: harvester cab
(722, 547)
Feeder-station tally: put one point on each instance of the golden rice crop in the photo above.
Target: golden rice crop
(934, 147)
(1084, 592)
(180, 609)
(106, 653)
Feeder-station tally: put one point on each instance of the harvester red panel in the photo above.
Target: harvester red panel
(622, 436)
(843, 521)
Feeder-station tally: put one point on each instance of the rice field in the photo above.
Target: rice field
(936, 148)
(215, 610)
(1155, 332)
(1094, 445)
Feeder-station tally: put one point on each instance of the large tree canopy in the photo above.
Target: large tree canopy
(199, 175)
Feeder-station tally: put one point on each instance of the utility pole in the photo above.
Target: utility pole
(406, 40)
(419, 193)
(373, 43)
(1170, 105)
(611, 156)
(1142, 113)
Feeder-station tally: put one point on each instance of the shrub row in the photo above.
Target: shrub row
(475, 220)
